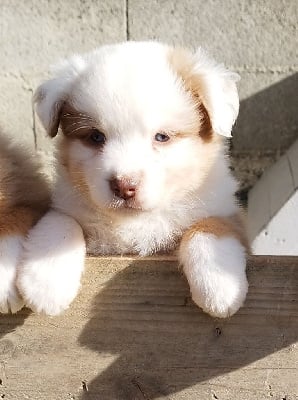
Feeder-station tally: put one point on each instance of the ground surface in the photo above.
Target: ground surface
(133, 333)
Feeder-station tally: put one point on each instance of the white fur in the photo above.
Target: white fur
(215, 270)
(53, 261)
(10, 250)
(131, 91)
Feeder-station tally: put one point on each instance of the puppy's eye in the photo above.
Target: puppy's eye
(97, 137)
(161, 137)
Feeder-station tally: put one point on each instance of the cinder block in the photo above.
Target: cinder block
(241, 33)
(38, 33)
(16, 119)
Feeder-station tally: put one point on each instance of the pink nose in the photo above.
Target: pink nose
(124, 188)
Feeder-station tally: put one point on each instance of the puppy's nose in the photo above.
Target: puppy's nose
(125, 188)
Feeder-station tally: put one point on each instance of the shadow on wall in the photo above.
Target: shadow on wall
(166, 344)
(268, 120)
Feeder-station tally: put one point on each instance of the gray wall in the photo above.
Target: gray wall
(258, 39)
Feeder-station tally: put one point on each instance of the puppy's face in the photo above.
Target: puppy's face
(137, 127)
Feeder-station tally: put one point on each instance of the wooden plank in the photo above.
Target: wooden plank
(133, 333)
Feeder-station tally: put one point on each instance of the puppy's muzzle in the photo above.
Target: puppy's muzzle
(124, 188)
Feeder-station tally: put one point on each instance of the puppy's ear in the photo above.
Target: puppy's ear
(49, 100)
(51, 95)
(217, 91)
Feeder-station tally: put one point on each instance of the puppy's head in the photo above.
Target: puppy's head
(141, 122)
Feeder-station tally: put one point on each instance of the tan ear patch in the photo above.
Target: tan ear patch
(75, 124)
(56, 117)
(181, 61)
(220, 227)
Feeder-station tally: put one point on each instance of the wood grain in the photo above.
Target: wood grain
(133, 333)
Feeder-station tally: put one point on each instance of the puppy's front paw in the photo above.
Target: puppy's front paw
(45, 288)
(215, 270)
(52, 264)
(10, 299)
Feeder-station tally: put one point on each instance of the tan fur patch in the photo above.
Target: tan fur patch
(17, 220)
(75, 172)
(220, 227)
(181, 61)
(24, 190)
(75, 124)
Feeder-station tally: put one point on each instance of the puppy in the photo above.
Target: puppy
(141, 169)
(24, 197)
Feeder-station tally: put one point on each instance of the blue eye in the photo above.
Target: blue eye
(97, 137)
(161, 137)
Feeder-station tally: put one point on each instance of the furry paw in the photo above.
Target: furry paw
(10, 299)
(215, 270)
(44, 292)
(53, 261)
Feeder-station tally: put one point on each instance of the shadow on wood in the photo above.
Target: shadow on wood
(165, 344)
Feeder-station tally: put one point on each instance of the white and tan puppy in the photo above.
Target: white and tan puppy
(24, 197)
(141, 169)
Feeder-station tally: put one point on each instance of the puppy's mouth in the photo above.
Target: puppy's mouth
(125, 205)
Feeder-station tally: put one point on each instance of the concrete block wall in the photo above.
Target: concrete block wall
(37, 33)
(256, 38)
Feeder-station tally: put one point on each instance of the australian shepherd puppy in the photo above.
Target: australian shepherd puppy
(24, 198)
(141, 169)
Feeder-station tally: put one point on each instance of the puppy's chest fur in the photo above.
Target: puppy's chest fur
(137, 232)
(142, 235)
